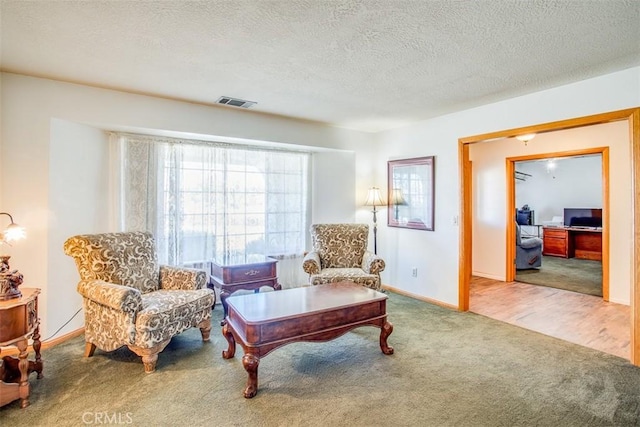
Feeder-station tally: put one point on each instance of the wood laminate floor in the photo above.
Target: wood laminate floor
(578, 318)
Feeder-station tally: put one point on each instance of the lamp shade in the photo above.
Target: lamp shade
(397, 198)
(374, 197)
(13, 231)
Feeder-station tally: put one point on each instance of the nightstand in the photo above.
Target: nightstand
(18, 323)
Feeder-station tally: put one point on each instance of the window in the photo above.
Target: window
(202, 200)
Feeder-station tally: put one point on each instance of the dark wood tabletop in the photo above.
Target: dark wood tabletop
(258, 308)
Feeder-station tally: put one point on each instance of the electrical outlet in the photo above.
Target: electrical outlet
(414, 272)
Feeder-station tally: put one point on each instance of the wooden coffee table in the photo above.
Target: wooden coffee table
(265, 321)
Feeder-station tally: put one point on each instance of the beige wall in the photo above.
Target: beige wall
(490, 197)
(55, 167)
(53, 206)
(435, 253)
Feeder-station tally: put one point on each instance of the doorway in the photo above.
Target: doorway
(561, 189)
(632, 118)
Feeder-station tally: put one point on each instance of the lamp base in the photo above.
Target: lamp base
(9, 280)
(10, 293)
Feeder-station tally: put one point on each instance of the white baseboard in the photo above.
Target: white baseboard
(627, 303)
(488, 276)
(420, 297)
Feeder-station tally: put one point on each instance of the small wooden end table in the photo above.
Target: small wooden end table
(243, 271)
(19, 322)
(265, 321)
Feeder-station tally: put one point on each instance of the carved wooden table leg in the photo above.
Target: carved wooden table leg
(261, 322)
(224, 293)
(37, 365)
(250, 362)
(23, 365)
(231, 350)
(385, 331)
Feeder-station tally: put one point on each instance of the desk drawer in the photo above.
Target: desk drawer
(555, 247)
(244, 273)
(558, 233)
(555, 242)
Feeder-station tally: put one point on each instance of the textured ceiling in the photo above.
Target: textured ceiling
(367, 65)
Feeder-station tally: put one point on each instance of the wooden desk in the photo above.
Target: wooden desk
(583, 243)
(248, 272)
(19, 322)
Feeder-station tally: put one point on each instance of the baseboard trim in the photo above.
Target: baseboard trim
(489, 276)
(420, 297)
(13, 351)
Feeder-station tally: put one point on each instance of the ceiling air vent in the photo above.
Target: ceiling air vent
(235, 102)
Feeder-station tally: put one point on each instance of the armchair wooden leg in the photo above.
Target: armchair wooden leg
(205, 329)
(149, 355)
(89, 348)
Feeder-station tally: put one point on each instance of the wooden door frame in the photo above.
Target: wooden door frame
(510, 273)
(632, 116)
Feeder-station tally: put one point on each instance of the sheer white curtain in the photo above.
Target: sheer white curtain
(202, 200)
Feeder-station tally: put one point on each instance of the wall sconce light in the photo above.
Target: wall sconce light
(374, 198)
(526, 137)
(9, 280)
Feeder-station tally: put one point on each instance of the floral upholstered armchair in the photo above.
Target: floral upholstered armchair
(131, 300)
(339, 252)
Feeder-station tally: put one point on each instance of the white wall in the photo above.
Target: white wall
(436, 253)
(29, 105)
(337, 194)
(54, 159)
(489, 201)
(78, 200)
(555, 184)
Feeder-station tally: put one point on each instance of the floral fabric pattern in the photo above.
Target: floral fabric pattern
(182, 278)
(128, 298)
(340, 245)
(311, 263)
(166, 313)
(127, 259)
(372, 263)
(107, 328)
(114, 296)
(340, 253)
(356, 275)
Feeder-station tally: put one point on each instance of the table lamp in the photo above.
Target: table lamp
(9, 280)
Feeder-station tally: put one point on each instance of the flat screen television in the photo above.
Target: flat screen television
(582, 217)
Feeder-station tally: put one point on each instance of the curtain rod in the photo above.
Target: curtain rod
(171, 140)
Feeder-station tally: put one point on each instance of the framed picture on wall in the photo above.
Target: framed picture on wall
(411, 187)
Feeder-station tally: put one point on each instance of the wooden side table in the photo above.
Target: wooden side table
(19, 322)
(248, 272)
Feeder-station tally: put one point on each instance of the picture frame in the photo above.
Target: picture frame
(411, 193)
